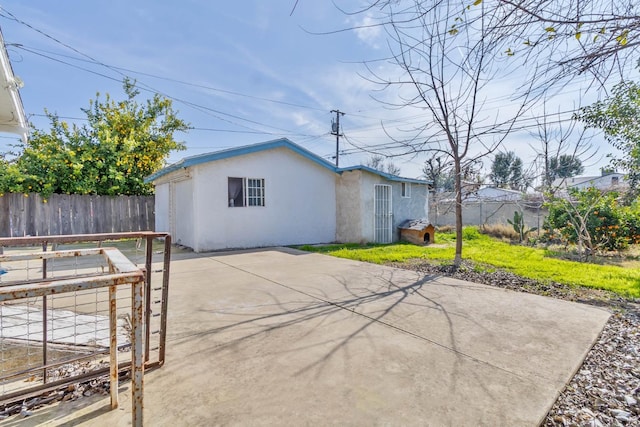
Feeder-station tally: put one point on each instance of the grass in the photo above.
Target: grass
(533, 263)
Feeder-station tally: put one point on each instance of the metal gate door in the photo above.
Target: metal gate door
(383, 213)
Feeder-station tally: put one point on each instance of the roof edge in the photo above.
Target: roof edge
(238, 151)
(268, 145)
(385, 175)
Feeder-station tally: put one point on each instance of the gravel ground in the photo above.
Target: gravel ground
(606, 389)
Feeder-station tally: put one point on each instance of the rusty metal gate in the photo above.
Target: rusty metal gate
(69, 312)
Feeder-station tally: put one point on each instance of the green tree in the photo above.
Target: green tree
(122, 143)
(617, 117)
(506, 172)
(564, 166)
(593, 220)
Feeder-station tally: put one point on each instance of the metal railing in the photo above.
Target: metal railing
(65, 306)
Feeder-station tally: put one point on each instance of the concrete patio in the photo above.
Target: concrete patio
(282, 337)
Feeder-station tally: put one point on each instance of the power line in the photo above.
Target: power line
(34, 50)
(206, 110)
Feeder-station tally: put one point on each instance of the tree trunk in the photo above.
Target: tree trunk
(458, 185)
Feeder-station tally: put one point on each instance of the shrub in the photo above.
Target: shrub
(593, 219)
(470, 233)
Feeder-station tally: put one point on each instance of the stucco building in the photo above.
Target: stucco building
(278, 193)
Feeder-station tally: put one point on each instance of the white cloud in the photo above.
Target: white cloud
(368, 30)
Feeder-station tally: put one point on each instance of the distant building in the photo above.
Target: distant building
(484, 194)
(494, 194)
(607, 181)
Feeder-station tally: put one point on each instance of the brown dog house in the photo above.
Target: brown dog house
(417, 231)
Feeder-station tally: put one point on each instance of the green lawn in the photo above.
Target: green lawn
(533, 263)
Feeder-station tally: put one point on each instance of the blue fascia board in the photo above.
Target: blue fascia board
(239, 151)
(268, 145)
(385, 175)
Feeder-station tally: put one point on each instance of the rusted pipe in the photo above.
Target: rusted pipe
(113, 347)
(137, 356)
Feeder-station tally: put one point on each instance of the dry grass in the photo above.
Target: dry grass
(499, 231)
(17, 357)
(445, 229)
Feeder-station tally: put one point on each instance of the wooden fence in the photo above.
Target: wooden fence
(31, 215)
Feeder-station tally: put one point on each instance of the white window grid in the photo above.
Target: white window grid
(255, 192)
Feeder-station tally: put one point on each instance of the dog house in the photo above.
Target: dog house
(417, 231)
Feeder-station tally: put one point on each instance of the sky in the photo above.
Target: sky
(238, 72)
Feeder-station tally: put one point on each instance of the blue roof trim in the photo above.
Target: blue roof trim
(276, 143)
(239, 151)
(384, 174)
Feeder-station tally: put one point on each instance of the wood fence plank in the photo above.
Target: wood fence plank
(22, 215)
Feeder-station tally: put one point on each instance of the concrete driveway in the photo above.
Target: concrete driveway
(282, 337)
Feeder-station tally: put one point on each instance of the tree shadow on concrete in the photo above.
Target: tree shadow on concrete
(373, 302)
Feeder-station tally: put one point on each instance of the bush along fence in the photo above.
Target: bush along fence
(32, 215)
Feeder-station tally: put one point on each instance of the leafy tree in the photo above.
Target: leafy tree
(593, 220)
(506, 172)
(617, 117)
(565, 166)
(121, 144)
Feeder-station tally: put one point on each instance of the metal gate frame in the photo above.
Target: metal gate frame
(148, 236)
(383, 213)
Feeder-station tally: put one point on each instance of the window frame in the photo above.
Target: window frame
(405, 190)
(255, 186)
(250, 194)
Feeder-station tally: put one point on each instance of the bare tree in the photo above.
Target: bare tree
(560, 139)
(587, 36)
(448, 62)
(438, 170)
(377, 162)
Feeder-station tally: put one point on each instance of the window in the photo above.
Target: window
(255, 192)
(614, 181)
(245, 192)
(406, 189)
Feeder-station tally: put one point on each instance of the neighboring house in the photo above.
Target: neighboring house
(494, 194)
(12, 117)
(278, 193)
(608, 181)
(473, 193)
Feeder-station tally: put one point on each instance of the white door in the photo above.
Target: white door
(383, 213)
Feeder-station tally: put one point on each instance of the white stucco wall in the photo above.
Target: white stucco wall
(162, 207)
(300, 202)
(184, 224)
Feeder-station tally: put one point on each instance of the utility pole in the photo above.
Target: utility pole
(335, 130)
